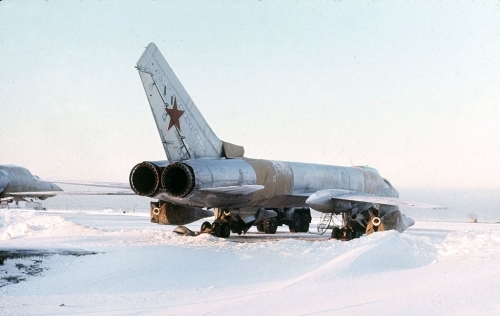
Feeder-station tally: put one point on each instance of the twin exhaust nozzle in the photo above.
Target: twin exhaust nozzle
(176, 179)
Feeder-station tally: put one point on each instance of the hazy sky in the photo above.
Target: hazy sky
(410, 88)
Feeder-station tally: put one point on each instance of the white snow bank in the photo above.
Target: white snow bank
(471, 244)
(143, 268)
(21, 224)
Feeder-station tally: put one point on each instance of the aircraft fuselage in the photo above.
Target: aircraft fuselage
(14, 179)
(285, 184)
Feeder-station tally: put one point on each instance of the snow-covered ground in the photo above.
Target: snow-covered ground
(120, 264)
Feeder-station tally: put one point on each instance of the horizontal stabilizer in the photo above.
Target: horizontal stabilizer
(326, 200)
(236, 189)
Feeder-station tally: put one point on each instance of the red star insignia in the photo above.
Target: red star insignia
(175, 114)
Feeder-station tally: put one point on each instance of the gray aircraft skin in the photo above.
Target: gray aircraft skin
(202, 172)
(18, 183)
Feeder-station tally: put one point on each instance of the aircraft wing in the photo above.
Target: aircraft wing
(116, 185)
(115, 189)
(53, 193)
(326, 200)
(236, 189)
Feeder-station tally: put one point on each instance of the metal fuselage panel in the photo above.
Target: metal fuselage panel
(286, 184)
(20, 179)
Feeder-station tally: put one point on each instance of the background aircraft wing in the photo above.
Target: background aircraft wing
(325, 200)
(53, 193)
(115, 188)
(116, 185)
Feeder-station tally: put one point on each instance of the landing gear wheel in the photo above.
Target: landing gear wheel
(295, 226)
(205, 226)
(356, 234)
(226, 230)
(221, 229)
(217, 229)
(304, 222)
(345, 234)
(336, 233)
(260, 226)
(270, 225)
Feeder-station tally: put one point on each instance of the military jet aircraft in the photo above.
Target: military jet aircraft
(202, 172)
(18, 183)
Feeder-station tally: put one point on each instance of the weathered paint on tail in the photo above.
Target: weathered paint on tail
(183, 131)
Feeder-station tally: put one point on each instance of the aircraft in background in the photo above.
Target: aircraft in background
(19, 184)
(204, 172)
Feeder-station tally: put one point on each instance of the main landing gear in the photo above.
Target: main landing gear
(268, 226)
(218, 228)
(297, 219)
(221, 227)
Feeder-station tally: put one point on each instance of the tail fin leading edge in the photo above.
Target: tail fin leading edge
(183, 131)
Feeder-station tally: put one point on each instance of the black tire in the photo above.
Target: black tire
(357, 234)
(217, 229)
(270, 225)
(226, 230)
(304, 222)
(260, 226)
(336, 232)
(345, 234)
(295, 226)
(205, 225)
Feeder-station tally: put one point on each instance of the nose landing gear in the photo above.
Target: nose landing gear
(218, 228)
(368, 221)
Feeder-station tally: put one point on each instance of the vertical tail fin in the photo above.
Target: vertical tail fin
(183, 131)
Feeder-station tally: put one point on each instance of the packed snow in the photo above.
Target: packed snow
(116, 263)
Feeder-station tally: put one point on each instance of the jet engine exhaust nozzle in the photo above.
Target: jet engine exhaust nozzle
(145, 179)
(177, 179)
